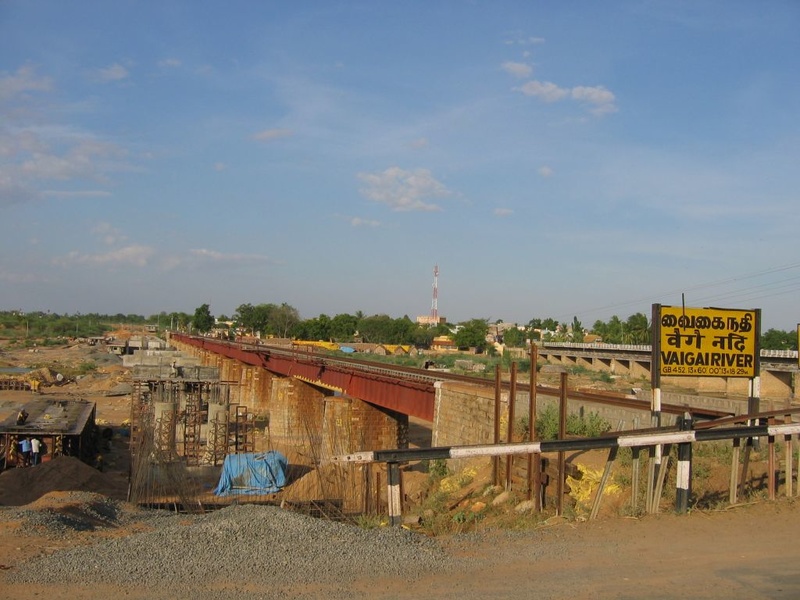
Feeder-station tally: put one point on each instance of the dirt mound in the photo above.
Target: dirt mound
(23, 486)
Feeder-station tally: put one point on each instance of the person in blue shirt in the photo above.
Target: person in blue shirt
(25, 450)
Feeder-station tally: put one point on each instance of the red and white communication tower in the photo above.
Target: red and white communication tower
(435, 302)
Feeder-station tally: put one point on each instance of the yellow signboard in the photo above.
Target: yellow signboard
(707, 342)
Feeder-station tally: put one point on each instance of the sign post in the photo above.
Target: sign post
(705, 342)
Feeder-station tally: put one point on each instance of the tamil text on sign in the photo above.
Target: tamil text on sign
(707, 342)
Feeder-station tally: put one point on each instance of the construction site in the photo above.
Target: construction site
(194, 448)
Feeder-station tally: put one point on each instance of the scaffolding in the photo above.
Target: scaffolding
(184, 424)
(170, 432)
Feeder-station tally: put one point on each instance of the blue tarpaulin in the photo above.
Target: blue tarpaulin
(252, 473)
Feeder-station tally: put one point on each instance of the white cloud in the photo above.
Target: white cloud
(269, 135)
(600, 99)
(359, 222)
(12, 192)
(108, 233)
(135, 255)
(544, 90)
(18, 278)
(76, 193)
(36, 152)
(503, 212)
(206, 256)
(403, 190)
(220, 166)
(115, 72)
(169, 63)
(598, 96)
(420, 143)
(521, 70)
(545, 171)
(24, 80)
(81, 160)
(528, 41)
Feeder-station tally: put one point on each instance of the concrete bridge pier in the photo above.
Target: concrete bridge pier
(303, 417)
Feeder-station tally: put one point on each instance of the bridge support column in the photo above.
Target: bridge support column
(351, 425)
(295, 414)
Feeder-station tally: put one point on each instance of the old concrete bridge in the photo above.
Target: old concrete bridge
(779, 369)
(345, 405)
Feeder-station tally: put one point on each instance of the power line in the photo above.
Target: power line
(749, 293)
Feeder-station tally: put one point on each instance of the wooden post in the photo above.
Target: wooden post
(745, 465)
(655, 406)
(393, 494)
(534, 460)
(771, 480)
(612, 454)
(662, 475)
(562, 434)
(512, 399)
(497, 398)
(651, 479)
(734, 491)
(635, 469)
(684, 475)
(788, 458)
(753, 402)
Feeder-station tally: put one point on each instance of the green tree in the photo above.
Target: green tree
(343, 327)
(514, 337)
(315, 329)
(614, 331)
(203, 321)
(376, 329)
(577, 330)
(775, 339)
(472, 334)
(423, 336)
(282, 319)
(637, 329)
(245, 317)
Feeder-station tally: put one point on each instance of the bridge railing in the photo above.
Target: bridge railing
(645, 348)
(685, 439)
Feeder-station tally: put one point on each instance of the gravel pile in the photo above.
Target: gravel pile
(258, 546)
(67, 513)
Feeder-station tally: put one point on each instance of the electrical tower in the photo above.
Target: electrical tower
(435, 302)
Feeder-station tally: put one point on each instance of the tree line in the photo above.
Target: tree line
(283, 320)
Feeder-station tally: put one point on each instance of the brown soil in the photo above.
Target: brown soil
(719, 552)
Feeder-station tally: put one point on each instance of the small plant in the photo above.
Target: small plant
(605, 377)
(86, 367)
(721, 451)
(437, 469)
(587, 425)
(369, 521)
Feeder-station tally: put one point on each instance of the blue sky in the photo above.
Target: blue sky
(555, 159)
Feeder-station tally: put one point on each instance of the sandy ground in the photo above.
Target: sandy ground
(750, 550)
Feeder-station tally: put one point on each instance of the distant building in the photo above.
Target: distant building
(443, 342)
(430, 320)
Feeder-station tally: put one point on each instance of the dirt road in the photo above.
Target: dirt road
(744, 552)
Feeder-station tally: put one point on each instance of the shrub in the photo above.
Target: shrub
(588, 425)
